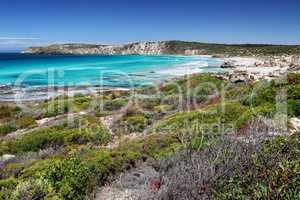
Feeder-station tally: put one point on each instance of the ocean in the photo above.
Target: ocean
(34, 72)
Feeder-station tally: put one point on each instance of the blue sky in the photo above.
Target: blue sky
(38, 22)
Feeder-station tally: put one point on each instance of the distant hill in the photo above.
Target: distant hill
(168, 47)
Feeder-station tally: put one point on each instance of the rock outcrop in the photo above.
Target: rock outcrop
(228, 65)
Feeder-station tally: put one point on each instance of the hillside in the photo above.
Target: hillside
(196, 137)
(168, 47)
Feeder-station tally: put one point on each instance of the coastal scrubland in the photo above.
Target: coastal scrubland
(205, 138)
(175, 47)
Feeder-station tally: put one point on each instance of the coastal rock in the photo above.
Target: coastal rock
(294, 68)
(6, 157)
(295, 125)
(239, 78)
(218, 56)
(227, 65)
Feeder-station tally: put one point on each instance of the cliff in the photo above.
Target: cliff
(167, 47)
(147, 48)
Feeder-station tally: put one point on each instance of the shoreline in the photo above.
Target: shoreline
(235, 69)
(46, 93)
(194, 64)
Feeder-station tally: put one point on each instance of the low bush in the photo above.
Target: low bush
(293, 92)
(215, 118)
(8, 111)
(7, 187)
(55, 137)
(32, 189)
(163, 109)
(25, 121)
(191, 174)
(57, 107)
(82, 101)
(70, 178)
(153, 146)
(130, 124)
(293, 107)
(271, 173)
(11, 170)
(95, 134)
(293, 78)
(75, 175)
(114, 105)
(266, 110)
(41, 139)
(263, 94)
(7, 128)
(148, 104)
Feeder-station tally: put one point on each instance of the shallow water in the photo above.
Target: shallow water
(117, 71)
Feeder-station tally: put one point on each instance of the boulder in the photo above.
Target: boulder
(6, 158)
(238, 78)
(227, 65)
(295, 125)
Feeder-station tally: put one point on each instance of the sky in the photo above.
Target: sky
(26, 23)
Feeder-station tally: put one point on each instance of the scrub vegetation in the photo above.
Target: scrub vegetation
(206, 138)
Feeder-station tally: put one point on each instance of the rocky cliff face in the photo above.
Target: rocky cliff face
(147, 48)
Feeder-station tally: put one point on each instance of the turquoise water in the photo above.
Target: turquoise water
(107, 71)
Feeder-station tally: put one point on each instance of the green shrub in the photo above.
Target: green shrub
(293, 78)
(7, 186)
(83, 130)
(241, 92)
(36, 140)
(87, 130)
(293, 107)
(70, 178)
(293, 92)
(11, 170)
(96, 134)
(265, 110)
(32, 189)
(82, 101)
(114, 105)
(35, 170)
(25, 121)
(7, 128)
(131, 123)
(57, 107)
(213, 119)
(65, 176)
(265, 94)
(162, 108)
(8, 111)
(137, 123)
(148, 104)
(193, 87)
(270, 173)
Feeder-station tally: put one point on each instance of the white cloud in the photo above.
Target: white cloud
(18, 38)
(19, 42)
